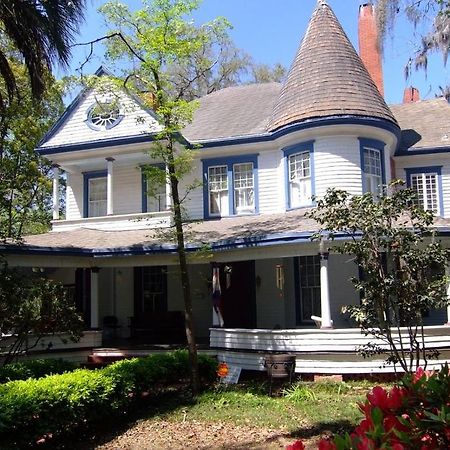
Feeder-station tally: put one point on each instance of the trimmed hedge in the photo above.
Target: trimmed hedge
(36, 368)
(52, 406)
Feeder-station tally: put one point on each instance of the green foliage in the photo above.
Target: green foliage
(402, 262)
(31, 307)
(60, 404)
(25, 186)
(35, 368)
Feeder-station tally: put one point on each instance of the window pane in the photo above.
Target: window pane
(373, 170)
(157, 201)
(244, 200)
(425, 186)
(299, 179)
(309, 267)
(97, 197)
(218, 190)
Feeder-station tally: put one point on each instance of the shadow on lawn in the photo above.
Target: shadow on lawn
(101, 433)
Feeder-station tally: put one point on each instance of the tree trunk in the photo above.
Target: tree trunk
(185, 281)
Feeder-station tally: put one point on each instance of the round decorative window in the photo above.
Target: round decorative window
(104, 115)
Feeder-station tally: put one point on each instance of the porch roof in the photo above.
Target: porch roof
(220, 235)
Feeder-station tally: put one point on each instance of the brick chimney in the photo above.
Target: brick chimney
(369, 46)
(411, 95)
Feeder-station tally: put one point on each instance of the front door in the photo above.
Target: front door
(238, 294)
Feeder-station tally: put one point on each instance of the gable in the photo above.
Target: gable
(75, 127)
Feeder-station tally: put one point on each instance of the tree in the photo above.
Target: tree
(158, 40)
(41, 32)
(31, 307)
(402, 266)
(25, 188)
(437, 39)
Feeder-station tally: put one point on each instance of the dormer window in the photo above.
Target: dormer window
(104, 115)
(299, 173)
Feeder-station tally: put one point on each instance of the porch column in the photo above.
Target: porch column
(109, 187)
(447, 272)
(94, 297)
(324, 287)
(168, 189)
(56, 174)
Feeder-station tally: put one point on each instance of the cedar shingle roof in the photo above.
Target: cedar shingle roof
(327, 78)
(424, 124)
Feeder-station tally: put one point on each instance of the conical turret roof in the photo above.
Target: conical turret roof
(327, 78)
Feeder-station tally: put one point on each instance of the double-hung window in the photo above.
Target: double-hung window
(230, 186)
(299, 167)
(426, 182)
(372, 165)
(154, 195)
(95, 194)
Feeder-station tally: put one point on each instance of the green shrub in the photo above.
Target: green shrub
(36, 368)
(34, 409)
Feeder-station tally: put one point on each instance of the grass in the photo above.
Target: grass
(299, 405)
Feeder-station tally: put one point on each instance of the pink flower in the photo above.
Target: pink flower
(297, 445)
(327, 444)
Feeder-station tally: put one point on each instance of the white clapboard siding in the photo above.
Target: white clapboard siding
(337, 163)
(194, 200)
(127, 189)
(313, 340)
(74, 130)
(324, 364)
(74, 196)
(271, 184)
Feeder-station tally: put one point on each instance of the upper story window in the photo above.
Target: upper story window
(95, 194)
(299, 167)
(230, 186)
(104, 115)
(426, 182)
(154, 197)
(372, 166)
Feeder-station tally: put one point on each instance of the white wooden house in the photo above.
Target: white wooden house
(264, 151)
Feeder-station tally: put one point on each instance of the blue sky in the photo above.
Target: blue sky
(271, 31)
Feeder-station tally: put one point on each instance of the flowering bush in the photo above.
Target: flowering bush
(414, 414)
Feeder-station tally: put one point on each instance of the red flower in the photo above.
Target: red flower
(326, 444)
(222, 370)
(378, 397)
(391, 422)
(364, 426)
(297, 445)
(366, 444)
(398, 446)
(396, 397)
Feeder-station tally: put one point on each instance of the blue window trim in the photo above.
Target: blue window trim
(377, 145)
(292, 150)
(86, 177)
(144, 197)
(428, 169)
(229, 162)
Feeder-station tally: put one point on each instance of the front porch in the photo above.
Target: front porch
(317, 351)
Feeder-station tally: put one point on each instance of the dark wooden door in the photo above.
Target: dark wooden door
(239, 299)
